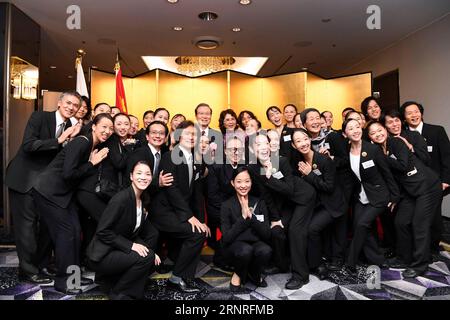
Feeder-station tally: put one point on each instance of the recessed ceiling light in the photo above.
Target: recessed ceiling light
(236, 29)
(208, 16)
(94, 67)
(326, 20)
(177, 28)
(52, 67)
(304, 68)
(172, 1)
(70, 77)
(245, 2)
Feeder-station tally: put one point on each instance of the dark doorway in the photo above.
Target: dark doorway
(388, 88)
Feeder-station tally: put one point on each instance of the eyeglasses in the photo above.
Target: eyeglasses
(235, 150)
(157, 133)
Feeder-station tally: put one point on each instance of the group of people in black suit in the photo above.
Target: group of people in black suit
(120, 201)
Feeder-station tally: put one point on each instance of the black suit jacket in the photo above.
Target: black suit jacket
(285, 142)
(175, 204)
(115, 230)
(439, 149)
(62, 176)
(39, 147)
(235, 228)
(419, 145)
(219, 186)
(377, 179)
(323, 179)
(277, 193)
(415, 177)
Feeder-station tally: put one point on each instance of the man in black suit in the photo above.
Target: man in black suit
(173, 208)
(438, 146)
(203, 113)
(44, 136)
(156, 133)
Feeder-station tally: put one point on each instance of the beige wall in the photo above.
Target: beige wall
(233, 90)
(423, 61)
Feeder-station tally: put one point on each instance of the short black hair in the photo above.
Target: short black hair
(166, 129)
(183, 125)
(120, 114)
(291, 105)
(162, 109)
(346, 122)
(272, 108)
(365, 104)
(100, 116)
(240, 170)
(410, 103)
(241, 116)
(348, 109)
(372, 122)
(99, 104)
(305, 112)
(147, 112)
(393, 113)
(299, 130)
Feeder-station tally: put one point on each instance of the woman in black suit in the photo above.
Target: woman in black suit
(320, 172)
(245, 232)
(377, 190)
(54, 189)
(121, 251)
(421, 193)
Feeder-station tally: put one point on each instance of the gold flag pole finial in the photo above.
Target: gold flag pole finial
(80, 54)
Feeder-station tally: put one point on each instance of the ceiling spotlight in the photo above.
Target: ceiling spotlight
(236, 29)
(208, 16)
(177, 28)
(94, 67)
(304, 68)
(52, 67)
(70, 77)
(245, 2)
(172, 1)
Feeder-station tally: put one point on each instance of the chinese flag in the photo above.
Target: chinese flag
(121, 101)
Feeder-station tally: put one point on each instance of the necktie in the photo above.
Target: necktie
(203, 132)
(189, 159)
(157, 159)
(60, 130)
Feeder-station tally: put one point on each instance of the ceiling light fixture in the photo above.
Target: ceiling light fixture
(236, 29)
(245, 2)
(172, 1)
(195, 65)
(177, 28)
(94, 67)
(208, 16)
(52, 67)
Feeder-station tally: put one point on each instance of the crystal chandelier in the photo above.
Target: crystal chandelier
(200, 65)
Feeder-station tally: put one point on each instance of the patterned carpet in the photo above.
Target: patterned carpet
(434, 285)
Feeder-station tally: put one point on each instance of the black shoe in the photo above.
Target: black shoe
(321, 272)
(295, 283)
(70, 292)
(35, 278)
(397, 264)
(86, 281)
(411, 273)
(182, 286)
(259, 283)
(234, 288)
(48, 272)
(335, 265)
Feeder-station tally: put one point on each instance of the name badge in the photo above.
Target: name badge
(368, 164)
(430, 148)
(317, 172)
(412, 172)
(286, 138)
(393, 156)
(277, 175)
(260, 217)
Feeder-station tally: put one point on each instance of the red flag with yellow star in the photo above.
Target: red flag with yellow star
(121, 101)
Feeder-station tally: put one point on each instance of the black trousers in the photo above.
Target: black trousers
(126, 272)
(248, 258)
(91, 209)
(279, 243)
(190, 247)
(387, 222)
(363, 238)
(33, 243)
(321, 220)
(65, 231)
(298, 239)
(213, 224)
(437, 226)
(413, 221)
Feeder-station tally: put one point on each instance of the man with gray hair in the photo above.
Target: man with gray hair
(45, 135)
